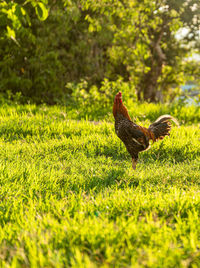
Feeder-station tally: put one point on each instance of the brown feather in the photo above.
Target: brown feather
(136, 138)
(119, 107)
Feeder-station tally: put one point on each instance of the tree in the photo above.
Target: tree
(145, 44)
(92, 40)
(14, 15)
(16, 39)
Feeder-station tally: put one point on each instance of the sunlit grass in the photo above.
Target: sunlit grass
(69, 196)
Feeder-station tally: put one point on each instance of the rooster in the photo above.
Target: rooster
(136, 138)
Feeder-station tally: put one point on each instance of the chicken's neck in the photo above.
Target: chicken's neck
(120, 111)
(120, 117)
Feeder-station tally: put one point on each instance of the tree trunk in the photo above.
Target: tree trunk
(149, 83)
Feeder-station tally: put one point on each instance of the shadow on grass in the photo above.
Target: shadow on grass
(161, 153)
(171, 155)
(119, 178)
(113, 179)
(16, 133)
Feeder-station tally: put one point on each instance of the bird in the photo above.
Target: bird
(136, 138)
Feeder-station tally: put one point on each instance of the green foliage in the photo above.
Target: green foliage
(16, 15)
(33, 69)
(93, 99)
(144, 43)
(71, 198)
(41, 10)
(62, 42)
(94, 104)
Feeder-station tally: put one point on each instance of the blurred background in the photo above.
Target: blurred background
(84, 51)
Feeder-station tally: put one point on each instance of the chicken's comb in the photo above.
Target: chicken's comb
(118, 97)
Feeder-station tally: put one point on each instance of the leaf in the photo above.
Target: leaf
(11, 35)
(45, 2)
(91, 28)
(19, 11)
(41, 11)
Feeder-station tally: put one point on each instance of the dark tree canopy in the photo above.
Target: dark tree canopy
(45, 45)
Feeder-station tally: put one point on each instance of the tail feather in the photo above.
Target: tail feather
(162, 127)
(166, 117)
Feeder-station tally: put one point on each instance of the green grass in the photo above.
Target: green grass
(69, 197)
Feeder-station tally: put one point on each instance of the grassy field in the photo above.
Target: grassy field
(69, 196)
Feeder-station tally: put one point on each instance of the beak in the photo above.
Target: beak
(134, 163)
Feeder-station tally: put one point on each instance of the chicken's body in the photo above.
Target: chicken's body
(134, 137)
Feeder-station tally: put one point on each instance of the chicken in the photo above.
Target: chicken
(136, 138)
